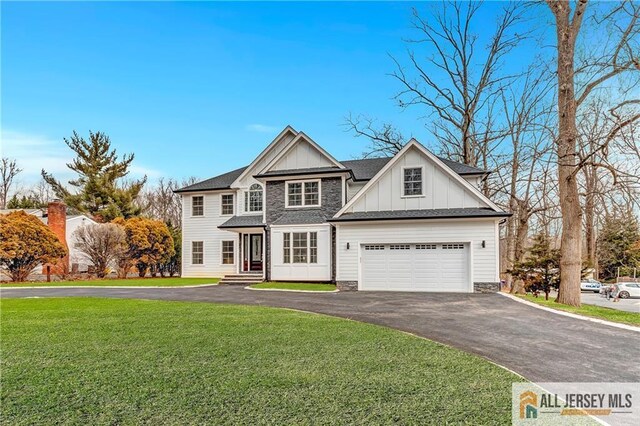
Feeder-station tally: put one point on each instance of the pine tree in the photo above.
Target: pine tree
(540, 268)
(618, 245)
(99, 189)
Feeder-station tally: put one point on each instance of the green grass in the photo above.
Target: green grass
(130, 282)
(296, 286)
(107, 361)
(589, 310)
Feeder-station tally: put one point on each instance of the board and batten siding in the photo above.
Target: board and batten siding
(440, 190)
(205, 229)
(484, 260)
(302, 156)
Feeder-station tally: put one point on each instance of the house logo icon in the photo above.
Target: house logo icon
(528, 405)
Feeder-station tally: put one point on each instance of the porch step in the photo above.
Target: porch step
(241, 279)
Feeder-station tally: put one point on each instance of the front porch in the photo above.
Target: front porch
(250, 248)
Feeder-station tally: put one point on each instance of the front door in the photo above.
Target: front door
(256, 252)
(252, 252)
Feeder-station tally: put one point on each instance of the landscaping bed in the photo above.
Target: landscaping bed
(129, 282)
(110, 361)
(589, 310)
(294, 286)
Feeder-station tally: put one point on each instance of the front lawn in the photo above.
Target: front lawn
(130, 282)
(589, 310)
(295, 286)
(107, 361)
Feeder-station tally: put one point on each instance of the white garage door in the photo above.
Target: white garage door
(415, 267)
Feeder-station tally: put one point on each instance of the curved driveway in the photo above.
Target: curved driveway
(541, 346)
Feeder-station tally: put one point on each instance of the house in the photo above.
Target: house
(56, 217)
(413, 222)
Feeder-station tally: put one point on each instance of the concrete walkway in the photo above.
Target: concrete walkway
(541, 346)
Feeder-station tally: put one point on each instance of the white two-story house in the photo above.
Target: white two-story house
(413, 222)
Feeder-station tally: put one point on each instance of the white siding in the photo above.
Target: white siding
(440, 190)
(205, 229)
(483, 260)
(75, 255)
(474, 180)
(303, 155)
(353, 188)
(320, 271)
(276, 149)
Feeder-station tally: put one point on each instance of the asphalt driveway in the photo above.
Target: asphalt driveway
(541, 346)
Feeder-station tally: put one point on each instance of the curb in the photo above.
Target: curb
(105, 286)
(572, 315)
(290, 291)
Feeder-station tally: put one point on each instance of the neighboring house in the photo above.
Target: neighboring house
(414, 222)
(77, 261)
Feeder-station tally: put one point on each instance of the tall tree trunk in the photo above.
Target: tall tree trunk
(589, 220)
(571, 244)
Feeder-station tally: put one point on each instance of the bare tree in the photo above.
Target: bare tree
(8, 171)
(607, 66)
(160, 202)
(456, 84)
(102, 244)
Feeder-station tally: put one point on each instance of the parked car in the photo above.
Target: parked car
(626, 290)
(590, 285)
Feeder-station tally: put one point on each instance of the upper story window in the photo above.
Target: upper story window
(197, 205)
(253, 198)
(303, 194)
(412, 181)
(227, 204)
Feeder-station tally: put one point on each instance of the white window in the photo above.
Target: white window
(300, 247)
(253, 199)
(197, 252)
(453, 246)
(287, 248)
(227, 204)
(197, 205)
(227, 253)
(303, 194)
(412, 181)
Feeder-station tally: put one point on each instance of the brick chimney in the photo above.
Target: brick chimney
(57, 222)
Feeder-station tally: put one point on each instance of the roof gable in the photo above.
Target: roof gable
(277, 145)
(443, 187)
(301, 153)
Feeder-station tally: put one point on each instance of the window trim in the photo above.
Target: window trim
(246, 200)
(233, 204)
(191, 206)
(192, 251)
(303, 205)
(307, 248)
(222, 252)
(402, 194)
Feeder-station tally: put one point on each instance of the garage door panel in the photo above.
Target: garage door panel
(415, 267)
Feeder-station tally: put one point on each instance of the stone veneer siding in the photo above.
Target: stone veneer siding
(330, 203)
(486, 287)
(347, 285)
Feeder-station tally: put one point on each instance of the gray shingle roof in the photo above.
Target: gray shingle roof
(245, 221)
(461, 168)
(420, 214)
(307, 171)
(302, 217)
(222, 181)
(364, 169)
(367, 168)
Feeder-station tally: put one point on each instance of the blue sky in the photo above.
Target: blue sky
(196, 88)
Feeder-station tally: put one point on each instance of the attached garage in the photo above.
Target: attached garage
(442, 267)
